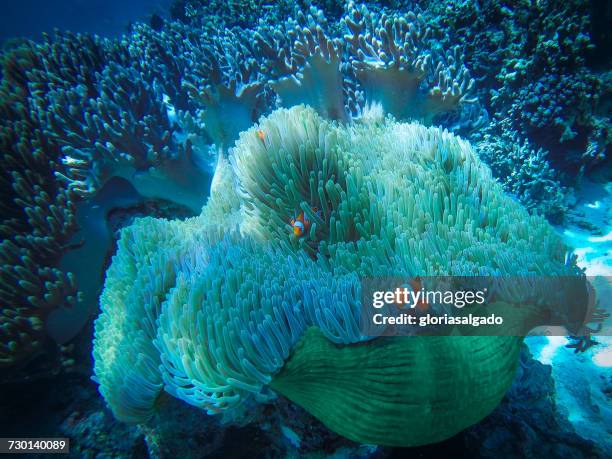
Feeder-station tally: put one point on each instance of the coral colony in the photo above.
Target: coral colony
(308, 154)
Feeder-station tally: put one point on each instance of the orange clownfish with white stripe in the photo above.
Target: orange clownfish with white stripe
(301, 224)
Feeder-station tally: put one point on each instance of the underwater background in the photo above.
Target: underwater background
(115, 111)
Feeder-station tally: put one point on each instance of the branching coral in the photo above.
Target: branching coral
(531, 63)
(224, 309)
(524, 172)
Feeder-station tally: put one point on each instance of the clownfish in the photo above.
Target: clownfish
(261, 135)
(415, 286)
(301, 224)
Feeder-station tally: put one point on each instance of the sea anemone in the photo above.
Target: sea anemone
(229, 308)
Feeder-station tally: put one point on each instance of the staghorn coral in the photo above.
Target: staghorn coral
(225, 309)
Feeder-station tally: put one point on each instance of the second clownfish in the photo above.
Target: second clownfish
(416, 286)
(301, 224)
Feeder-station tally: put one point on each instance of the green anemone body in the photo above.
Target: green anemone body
(399, 391)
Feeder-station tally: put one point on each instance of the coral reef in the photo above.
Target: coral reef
(394, 199)
(120, 127)
(381, 59)
(94, 132)
(392, 55)
(226, 80)
(531, 61)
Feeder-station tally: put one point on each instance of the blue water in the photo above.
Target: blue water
(109, 18)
